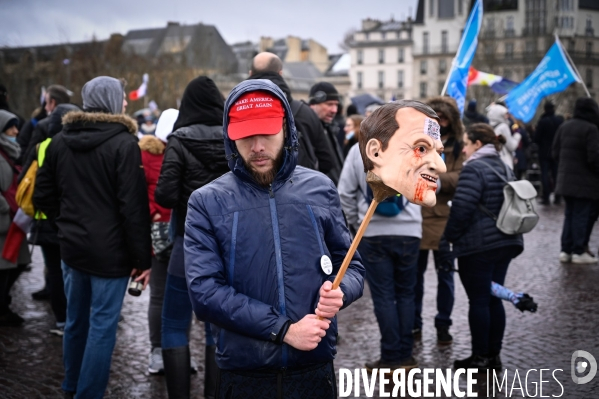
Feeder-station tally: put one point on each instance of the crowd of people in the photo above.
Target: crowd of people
(241, 211)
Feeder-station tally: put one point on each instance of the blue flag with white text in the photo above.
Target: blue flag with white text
(553, 75)
(458, 76)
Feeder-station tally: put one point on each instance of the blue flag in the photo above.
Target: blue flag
(552, 75)
(458, 76)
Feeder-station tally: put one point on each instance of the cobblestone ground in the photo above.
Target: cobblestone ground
(567, 320)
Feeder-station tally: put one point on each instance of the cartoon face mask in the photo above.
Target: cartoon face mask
(411, 163)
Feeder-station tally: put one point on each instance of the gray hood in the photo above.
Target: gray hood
(103, 94)
(6, 117)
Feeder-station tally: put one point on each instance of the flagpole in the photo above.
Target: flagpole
(572, 64)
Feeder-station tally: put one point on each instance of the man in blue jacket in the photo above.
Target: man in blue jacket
(262, 245)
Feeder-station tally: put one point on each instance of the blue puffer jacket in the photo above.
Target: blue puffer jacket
(252, 254)
(468, 228)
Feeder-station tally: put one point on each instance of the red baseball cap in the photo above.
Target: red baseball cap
(254, 113)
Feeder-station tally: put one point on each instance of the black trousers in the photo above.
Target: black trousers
(311, 382)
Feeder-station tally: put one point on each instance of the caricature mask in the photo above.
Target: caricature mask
(400, 145)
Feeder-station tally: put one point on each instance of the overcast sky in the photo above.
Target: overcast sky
(36, 22)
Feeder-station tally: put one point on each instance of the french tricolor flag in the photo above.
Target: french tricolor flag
(498, 84)
(141, 91)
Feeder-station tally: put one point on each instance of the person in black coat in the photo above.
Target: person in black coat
(544, 135)
(576, 150)
(194, 156)
(93, 184)
(483, 251)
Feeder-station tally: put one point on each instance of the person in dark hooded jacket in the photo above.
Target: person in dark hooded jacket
(576, 150)
(92, 183)
(262, 245)
(194, 156)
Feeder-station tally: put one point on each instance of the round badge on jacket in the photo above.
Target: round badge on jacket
(326, 265)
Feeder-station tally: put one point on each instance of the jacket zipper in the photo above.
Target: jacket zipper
(279, 261)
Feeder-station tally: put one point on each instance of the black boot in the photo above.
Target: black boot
(177, 370)
(472, 362)
(210, 372)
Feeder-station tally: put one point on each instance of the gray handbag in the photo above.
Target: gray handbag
(518, 212)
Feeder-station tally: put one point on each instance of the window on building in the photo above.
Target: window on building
(509, 26)
(359, 78)
(400, 55)
(442, 66)
(535, 17)
(383, 35)
(509, 51)
(366, 36)
(589, 49)
(446, 9)
(571, 44)
(425, 42)
(400, 79)
(423, 67)
(589, 79)
(460, 7)
(381, 56)
(360, 57)
(422, 89)
(381, 79)
(431, 8)
(531, 46)
(444, 40)
(440, 86)
(507, 73)
(589, 27)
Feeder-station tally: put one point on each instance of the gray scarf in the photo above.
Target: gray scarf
(487, 150)
(11, 148)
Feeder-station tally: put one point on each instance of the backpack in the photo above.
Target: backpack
(24, 194)
(389, 207)
(518, 212)
(9, 194)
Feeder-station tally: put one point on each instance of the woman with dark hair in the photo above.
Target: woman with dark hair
(194, 156)
(352, 132)
(483, 251)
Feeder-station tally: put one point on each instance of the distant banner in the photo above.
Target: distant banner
(498, 84)
(141, 91)
(553, 75)
(457, 83)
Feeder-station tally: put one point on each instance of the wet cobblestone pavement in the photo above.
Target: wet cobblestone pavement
(567, 320)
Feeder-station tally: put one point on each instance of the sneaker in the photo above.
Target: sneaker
(41, 295)
(443, 336)
(565, 257)
(526, 302)
(584, 259)
(156, 364)
(59, 331)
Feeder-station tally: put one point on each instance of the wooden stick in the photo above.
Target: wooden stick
(354, 244)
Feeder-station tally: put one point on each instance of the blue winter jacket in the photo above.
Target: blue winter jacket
(252, 254)
(468, 228)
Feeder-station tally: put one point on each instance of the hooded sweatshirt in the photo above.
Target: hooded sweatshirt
(497, 119)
